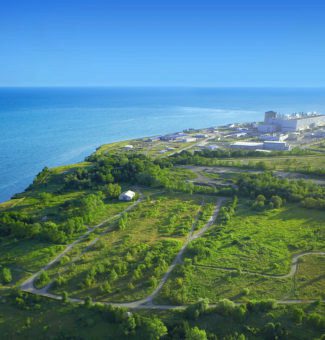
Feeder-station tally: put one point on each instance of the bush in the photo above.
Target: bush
(261, 306)
(42, 280)
(245, 291)
(6, 276)
(195, 310)
(65, 297)
(196, 334)
(88, 301)
(316, 320)
(298, 314)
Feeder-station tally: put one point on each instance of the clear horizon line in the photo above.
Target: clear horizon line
(166, 86)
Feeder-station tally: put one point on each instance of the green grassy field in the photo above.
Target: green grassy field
(246, 253)
(125, 258)
(25, 257)
(126, 263)
(264, 242)
(284, 163)
(310, 277)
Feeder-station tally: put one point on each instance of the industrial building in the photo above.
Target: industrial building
(274, 122)
(275, 145)
(266, 145)
(274, 137)
(247, 145)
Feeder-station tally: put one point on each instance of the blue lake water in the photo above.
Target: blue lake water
(55, 126)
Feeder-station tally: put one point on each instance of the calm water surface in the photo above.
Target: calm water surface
(55, 126)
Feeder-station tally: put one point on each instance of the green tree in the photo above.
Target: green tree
(6, 275)
(113, 190)
(154, 329)
(65, 297)
(113, 275)
(88, 301)
(196, 334)
(42, 280)
(129, 325)
(277, 201)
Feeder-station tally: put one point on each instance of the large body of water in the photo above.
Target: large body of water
(55, 126)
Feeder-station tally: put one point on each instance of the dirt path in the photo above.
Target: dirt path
(147, 302)
(178, 258)
(292, 272)
(200, 169)
(28, 285)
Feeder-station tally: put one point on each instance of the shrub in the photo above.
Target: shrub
(195, 310)
(6, 276)
(88, 301)
(196, 334)
(261, 306)
(245, 291)
(65, 297)
(42, 280)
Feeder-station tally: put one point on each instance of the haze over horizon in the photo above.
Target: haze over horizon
(191, 43)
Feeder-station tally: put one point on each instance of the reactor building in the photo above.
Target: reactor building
(274, 122)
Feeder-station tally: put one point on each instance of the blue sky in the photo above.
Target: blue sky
(162, 43)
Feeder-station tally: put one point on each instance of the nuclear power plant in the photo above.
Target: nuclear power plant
(274, 122)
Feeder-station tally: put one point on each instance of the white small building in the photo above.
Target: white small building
(128, 147)
(127, 196)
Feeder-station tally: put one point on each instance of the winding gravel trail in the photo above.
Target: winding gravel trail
(292, 272)
(28, 285)
(147, 302)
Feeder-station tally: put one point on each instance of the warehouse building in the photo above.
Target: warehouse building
(276, 146)
(247, 145)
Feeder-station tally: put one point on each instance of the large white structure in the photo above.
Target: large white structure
(290, 123)
(247, 145)
(266, 145)
(127, 196)
(187, 140)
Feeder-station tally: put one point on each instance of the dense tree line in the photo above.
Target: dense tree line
(74, 214)
(276, 189)
(235, 153)
(263, 319)
(105, 173)
(233, 158)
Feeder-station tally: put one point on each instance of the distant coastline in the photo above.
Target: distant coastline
(56, 126)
